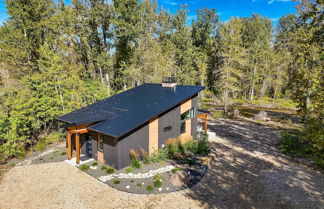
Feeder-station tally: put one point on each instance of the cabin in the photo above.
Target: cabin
(143, 117)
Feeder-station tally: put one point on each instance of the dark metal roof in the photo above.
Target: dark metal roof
(121, 113)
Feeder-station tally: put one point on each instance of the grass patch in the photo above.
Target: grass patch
(157, 183)
(116, 181)
(110, 170)
(176, 169)
(139, 185)
(294, 143)
(40, 146)
(129, 170)
(63, 153)
(94, 164)
(54, 137)
(84, 167)
(149, 188)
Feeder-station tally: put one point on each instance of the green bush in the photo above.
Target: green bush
(297, 143)
(40, 146)
(110, 170)
(149, 188)
(158, 177)
(94, 164)
(159, 156)
(157, 183)
(145, 157)
(84, 167)
(104, 167)
(116, 181)
(139, 185)
(135, 161)
(129, 170)
(63, 153)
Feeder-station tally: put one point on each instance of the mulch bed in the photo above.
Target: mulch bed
(195, 170)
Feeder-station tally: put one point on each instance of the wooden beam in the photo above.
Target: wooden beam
(80, 131)
(77, 148)
(69, 145)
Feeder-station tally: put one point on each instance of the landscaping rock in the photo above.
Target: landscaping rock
(179, 178)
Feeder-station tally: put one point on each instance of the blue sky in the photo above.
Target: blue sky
(226, 9)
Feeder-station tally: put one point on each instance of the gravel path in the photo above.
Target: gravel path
(249, 172)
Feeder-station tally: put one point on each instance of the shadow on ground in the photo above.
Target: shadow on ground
(250, 172)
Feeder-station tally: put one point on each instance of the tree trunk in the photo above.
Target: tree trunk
(108, 83)
(252, 85)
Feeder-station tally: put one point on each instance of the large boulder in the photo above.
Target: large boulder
(179, 178)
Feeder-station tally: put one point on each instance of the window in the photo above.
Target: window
(100, 142)
(168, 128)
(183, 127)
(192, 113)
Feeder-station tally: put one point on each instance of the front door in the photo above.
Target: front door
(89, 145)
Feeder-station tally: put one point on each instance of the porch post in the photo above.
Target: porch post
(77, 148)
(68, 136)
(205, 123)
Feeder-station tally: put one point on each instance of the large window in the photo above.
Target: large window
(192, 113)
(100, 142)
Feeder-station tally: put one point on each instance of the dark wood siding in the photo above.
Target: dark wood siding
(110, 151)
(137, 139)
(170, 118)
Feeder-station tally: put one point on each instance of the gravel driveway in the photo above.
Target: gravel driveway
(248, 172)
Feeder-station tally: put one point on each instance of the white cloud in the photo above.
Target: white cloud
(271, 1)
(171, 3)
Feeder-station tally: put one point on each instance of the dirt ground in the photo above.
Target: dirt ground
(248, 172)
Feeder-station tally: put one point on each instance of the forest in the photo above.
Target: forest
(55, 58)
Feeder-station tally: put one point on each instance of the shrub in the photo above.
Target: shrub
(104, 167)
(116, 181)
(159, 156)
(129, 170)
(183, 139)
(94, 164)
(203, 147)
(139, 185)
(63, 153)
(135, 162)
(146, 159)
(41, 145)
(84, 167)
(172, 146)
(149, 188)
(158, 177)
(110, 170)
(157, 183)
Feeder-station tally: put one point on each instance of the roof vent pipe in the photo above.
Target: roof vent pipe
(169, 82)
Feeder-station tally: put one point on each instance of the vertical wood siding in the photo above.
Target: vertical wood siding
(153, 135)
